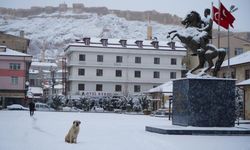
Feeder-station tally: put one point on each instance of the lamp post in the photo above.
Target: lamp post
(53, 81)
(26, 91)
(232, 9)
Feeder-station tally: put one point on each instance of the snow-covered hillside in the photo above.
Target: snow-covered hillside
(59, 29)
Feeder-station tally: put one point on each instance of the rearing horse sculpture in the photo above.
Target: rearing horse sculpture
(191, 38)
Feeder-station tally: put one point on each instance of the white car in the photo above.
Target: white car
(43, 107)
(16, 107)
(71, 109)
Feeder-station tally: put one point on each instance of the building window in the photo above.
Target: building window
(81, 57)
(99, 58)
(118, 88)
(238, 51)
(14, 80)
(172, 75)
(156, 74)
(81, 87)
(173, 61)
(99, 72)
(98, 87)
(81, 72)
(119, 59)
(118, 73)
(137, 88)
(224, 75)
(156, 60)
(247, 74)
(233, 74)
(137, 60)
(15, 66)
(137, 74)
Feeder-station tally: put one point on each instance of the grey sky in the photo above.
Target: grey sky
(178, 7)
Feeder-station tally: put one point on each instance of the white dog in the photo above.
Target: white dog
(71, 137)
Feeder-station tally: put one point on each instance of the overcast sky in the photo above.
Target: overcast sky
(178, 7)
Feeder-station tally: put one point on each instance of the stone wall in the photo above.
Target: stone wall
(163, 18)
(14, 42)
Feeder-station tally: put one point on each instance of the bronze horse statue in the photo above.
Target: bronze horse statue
(191, 38)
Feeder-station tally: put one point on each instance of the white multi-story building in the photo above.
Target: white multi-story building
(108, 66)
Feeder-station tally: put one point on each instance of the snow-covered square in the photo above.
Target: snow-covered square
(107, 131)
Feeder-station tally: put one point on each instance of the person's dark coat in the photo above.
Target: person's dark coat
(32, 106)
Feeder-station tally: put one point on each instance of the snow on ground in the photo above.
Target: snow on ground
(107, 131)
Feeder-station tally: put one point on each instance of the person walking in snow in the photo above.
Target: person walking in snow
(32, 107)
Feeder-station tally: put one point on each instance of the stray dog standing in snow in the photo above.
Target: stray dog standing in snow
(71, 137)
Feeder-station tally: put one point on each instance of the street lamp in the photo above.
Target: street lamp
(53, 81)
(26, 90)
(233, 8)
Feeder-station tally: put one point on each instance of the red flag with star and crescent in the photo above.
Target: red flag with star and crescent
(223, 17)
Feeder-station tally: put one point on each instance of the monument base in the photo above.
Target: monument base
(178, 130)
(204, 102)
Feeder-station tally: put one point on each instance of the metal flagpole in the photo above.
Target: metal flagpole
(212, 17)
(219, 26)
(228, 54)
(232, 9)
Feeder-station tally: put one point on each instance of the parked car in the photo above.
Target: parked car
(16, 107)
(43, 107)
(97, 109)
(71, 109)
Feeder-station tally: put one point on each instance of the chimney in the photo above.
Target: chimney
(22, 34)
(171, 44)
(86, 40)
(155, 44)
(139, 43)
(149, 29)
(123, 43)
(104, 42)
(2, 48)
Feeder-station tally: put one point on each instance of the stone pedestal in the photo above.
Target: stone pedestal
(204, 102)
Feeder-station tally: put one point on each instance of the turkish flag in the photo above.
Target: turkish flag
(223, 17)
(218, 19)
(226, 14)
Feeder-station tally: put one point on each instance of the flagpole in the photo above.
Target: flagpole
(228, 54)
(219, 25)
(212, 16)
(232, 9)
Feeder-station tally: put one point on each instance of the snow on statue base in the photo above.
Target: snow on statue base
(204, 102)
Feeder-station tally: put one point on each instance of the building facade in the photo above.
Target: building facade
(109, 66)
(18, 43)
(239, 69)
(14, 68)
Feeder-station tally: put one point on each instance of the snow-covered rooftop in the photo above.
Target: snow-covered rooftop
(239, 59)
(166, 88)
(243, 83)
(32, 71)
(44, 64)
(130, 43)
(36, 90)
(10, 52)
